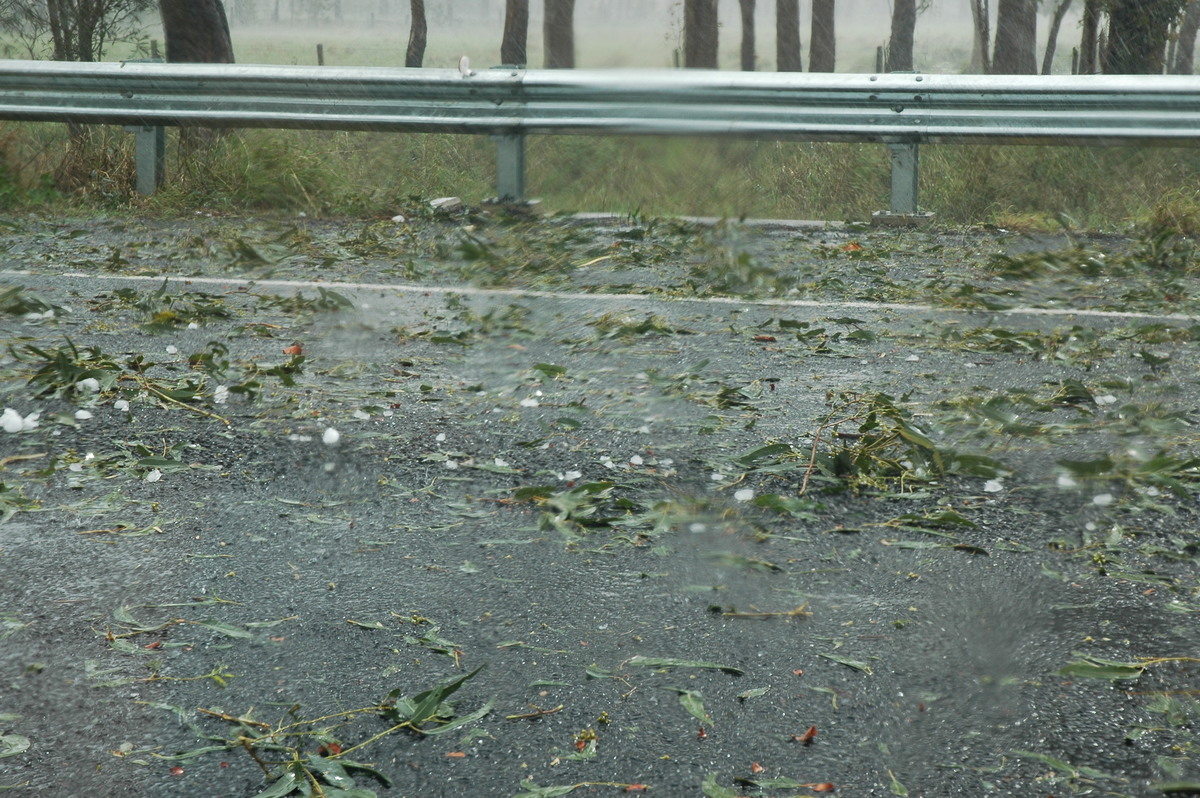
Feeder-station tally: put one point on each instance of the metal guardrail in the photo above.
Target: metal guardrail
(900, 110)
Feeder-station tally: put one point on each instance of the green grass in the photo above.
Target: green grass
(375, 174)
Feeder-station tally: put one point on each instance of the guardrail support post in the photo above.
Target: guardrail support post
(150, 147)
(510, 167)
(905, 165)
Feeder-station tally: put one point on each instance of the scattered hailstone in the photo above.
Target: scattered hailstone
(636, 459)
(570, 476)
(221, 394)
(1066, 481)
(912, 358)
(12, 421)
(331, 436)
(529, 402)
(644, 429)
(1102, 499)
(193, 325)
(607, 462)
(88, 384)
(697, 528)
(717, 477)
(399, 218)
(451, 464)
(123, 405)
(361, 414)
(993, 486)
(501, 462)
(441, 436)
(1106, 399)
(154, 476)
(294, 438)
(172, 349)
(744, 495)
(82, 415)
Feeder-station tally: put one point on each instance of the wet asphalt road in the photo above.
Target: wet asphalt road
(314, 577)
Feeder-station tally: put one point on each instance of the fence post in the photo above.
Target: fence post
(150, 159)
(510, 167)
(905, 166)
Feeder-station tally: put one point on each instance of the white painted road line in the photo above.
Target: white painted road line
(597, 297)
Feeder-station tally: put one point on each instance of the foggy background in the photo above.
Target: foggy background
(608, 33)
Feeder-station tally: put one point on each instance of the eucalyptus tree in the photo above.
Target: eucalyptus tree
(72, 30)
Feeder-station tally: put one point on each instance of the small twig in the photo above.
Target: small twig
(798, 612)
(150, 388)
(537, 714)
(16, 458)
(232, 719)
(245, 741)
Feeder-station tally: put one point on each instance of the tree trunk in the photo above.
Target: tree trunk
(1137, 35)
(417, 35)
(822, 50)
(700, 34)
(196, 31)
(558, 31)
(747, 9)
(900, 45)
(1016, 38)
(787, 36)
(1089, 60)
(1052, 41)
(516, 33)
(981, 63)
(1185, 50)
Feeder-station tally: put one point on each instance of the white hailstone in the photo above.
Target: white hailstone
(82, 415)
(717, 477)
(331, 436)
(993, 486)
(452, 465)
(644, 429)
(399, 218)
(744, 495)
(571, 476)
(123, 405)
(154, 476)
(529, 402)
(441, 437)
(1066, 481)
(221, 394)
(501, 462)
(607, 462)
(697, 527)
(10, 420)
(361, 415)
(193, 325)
(172, 349)
(636, 459)
(912, 358)
(75, 467)
(1103, 499)
(1106, 399)
(88, 384)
